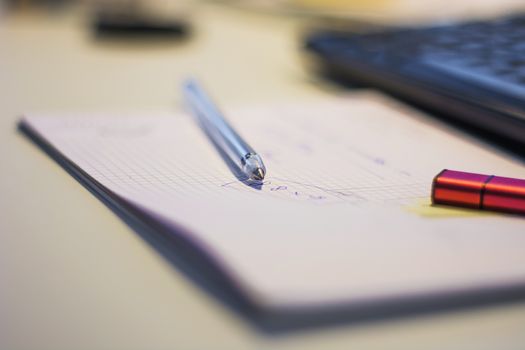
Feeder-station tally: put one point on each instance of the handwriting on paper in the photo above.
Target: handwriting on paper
(294, 190)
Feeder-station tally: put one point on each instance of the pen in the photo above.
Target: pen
(479, 191)
(221, 133)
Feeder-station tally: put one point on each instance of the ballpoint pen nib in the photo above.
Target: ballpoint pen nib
(258, 174)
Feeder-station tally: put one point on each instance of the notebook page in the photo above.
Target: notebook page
(343, 214)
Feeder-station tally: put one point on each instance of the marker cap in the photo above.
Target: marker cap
(479, 191)
(506, 194)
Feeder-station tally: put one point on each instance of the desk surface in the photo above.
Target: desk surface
(76, 277)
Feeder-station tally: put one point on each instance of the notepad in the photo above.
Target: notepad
(342, 219)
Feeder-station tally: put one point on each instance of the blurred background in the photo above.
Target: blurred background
(148, 46)
(131, 55)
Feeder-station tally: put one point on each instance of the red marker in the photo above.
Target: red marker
(479, 191)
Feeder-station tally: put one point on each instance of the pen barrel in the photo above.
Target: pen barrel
(221, 133)
(479, 191)
(224, 137)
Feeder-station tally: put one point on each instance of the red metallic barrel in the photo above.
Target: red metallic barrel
(479, 191)
(506, 194)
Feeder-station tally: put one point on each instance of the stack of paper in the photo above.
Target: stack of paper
(343, 219)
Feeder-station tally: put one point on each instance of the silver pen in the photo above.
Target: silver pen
(221, 133)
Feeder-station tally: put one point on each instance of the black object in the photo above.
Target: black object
(472, 71)
(130, 26)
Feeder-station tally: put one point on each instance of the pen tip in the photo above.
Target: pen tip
(258, 174)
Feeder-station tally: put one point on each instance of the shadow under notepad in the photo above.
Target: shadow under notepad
(174, 244)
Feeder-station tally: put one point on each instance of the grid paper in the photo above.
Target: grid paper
(315, 155)
(343, 175)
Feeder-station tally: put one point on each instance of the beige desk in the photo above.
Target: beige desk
(73, 276)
